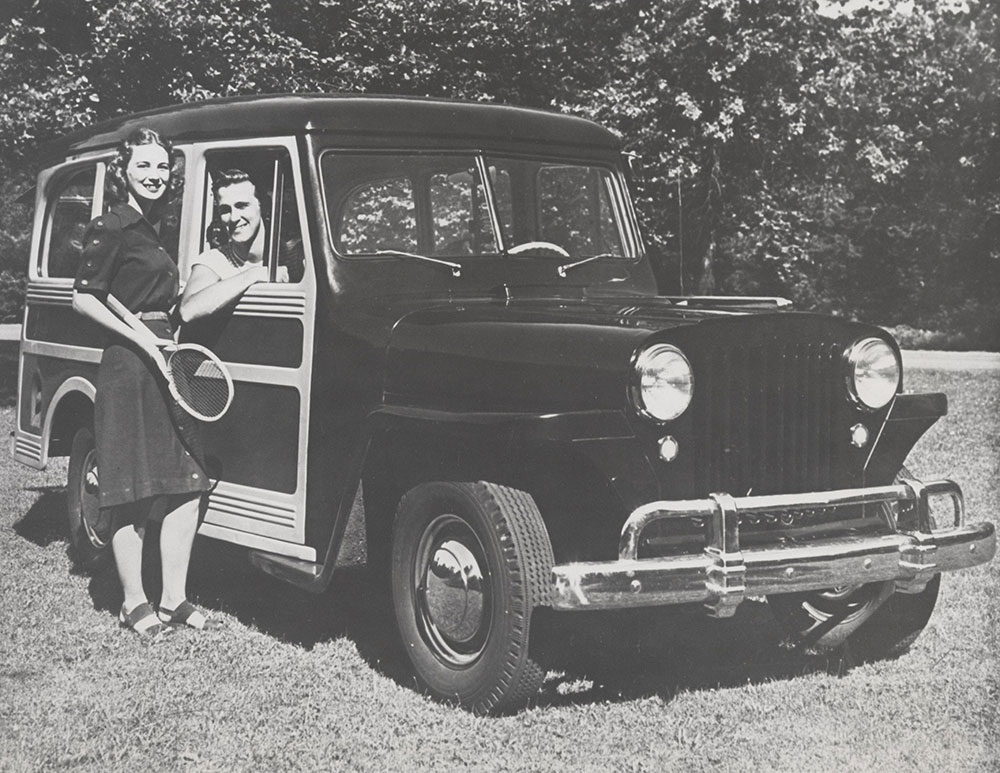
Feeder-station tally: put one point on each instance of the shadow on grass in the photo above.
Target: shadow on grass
(622, 656)
(45, 521)
(222, 578)
(600, 657)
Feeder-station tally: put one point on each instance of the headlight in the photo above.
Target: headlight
(873, 372)
(663, 382)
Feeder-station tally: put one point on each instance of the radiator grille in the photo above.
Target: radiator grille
(765, 416)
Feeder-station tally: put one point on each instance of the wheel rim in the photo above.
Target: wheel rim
(843, 603)
(452, 591)
(96, 528)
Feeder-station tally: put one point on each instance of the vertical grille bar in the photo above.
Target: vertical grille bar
(766, 419)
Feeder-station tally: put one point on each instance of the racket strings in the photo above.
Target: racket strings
(199, 381)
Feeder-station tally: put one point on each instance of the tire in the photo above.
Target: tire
(470, 563)
(826, 619)
(874, 620)
(89, 533)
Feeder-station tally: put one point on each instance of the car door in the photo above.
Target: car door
(256, 452)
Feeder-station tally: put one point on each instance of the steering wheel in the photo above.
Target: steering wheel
(517, 249)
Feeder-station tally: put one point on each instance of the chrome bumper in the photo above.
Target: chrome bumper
(722, 575)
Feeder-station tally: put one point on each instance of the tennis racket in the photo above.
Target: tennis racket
(197, 379)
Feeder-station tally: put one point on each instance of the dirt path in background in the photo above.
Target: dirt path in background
(932, 360)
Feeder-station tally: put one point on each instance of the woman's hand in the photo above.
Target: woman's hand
(155, 353)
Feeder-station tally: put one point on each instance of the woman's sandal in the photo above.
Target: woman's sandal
(188, 614)
(143, 620)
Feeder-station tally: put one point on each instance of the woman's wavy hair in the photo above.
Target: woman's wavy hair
(116, 169)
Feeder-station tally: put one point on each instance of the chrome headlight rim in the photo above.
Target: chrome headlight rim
(642, 362)
(859, 355)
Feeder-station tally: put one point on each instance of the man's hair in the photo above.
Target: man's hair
(232, 177)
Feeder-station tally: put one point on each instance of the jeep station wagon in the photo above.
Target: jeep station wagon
(474, 349)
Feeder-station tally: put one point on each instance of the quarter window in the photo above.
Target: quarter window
(72, 209)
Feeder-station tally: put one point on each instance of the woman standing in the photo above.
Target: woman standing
(148, 458)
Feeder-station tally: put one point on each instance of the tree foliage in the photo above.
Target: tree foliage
(845, 154)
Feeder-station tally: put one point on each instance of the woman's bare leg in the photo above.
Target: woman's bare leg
(126, 544)
(176, 539)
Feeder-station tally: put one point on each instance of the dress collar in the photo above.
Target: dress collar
(127, 214)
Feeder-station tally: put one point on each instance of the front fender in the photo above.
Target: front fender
(586, 469)
(910, 416)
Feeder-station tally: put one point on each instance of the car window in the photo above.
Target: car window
(170, 219)
(575, 210)
(270, 173)
(432, 204)
(567, 206)
(379, 215)
(71, 209)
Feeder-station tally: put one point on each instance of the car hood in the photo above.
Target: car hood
(553, 355)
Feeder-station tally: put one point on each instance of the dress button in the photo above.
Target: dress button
(83, 281)
(194, 475)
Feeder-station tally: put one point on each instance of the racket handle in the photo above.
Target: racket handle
(132, 320)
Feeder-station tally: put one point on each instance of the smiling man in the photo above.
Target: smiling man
(219, 276)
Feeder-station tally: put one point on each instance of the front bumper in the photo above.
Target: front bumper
(722, 575)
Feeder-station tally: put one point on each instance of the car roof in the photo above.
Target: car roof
(359, 119)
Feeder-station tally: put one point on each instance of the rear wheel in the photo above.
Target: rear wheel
(89, 530)
(470, 562)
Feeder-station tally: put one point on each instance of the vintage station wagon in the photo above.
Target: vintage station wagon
(474, 349)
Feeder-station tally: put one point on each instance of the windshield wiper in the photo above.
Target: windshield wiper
(456, 268)
(567, 266)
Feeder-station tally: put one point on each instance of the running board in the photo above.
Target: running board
(304, 574)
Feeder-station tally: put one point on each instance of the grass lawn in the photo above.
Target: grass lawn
(301, 682)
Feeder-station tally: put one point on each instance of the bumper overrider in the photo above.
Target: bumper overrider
(723, 574)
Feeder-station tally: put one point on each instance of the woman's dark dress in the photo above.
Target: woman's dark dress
(144, 442)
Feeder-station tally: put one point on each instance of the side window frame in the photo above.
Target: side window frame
(53, 189)
(194, 241)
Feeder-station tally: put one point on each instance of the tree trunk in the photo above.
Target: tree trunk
(706, 284)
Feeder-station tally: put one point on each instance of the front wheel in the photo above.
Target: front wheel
(89, 529)
(878, 622)
(470, 563)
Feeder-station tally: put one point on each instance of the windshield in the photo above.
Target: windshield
(438, 205)
(547, 207)
(422, 203)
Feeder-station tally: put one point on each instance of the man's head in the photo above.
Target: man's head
(238, 207)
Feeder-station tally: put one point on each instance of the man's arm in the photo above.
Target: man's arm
(205, 293)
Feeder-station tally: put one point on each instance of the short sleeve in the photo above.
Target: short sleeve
(215, 261)
(101, 257)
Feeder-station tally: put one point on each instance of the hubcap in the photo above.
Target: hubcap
(96, 528)
(452, 591)
(842, 602)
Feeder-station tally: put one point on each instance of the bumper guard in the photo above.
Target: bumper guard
(722, 575)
